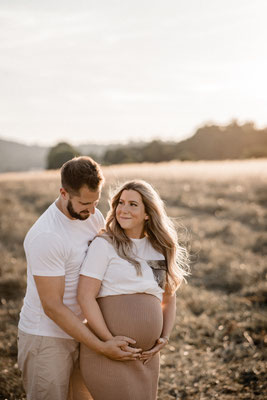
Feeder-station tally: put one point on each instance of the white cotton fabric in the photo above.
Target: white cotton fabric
(118, 276)
(55, 246)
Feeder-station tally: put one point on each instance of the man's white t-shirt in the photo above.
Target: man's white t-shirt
(55, 246)
(118, 276)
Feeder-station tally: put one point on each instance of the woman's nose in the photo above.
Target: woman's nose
(125, 208)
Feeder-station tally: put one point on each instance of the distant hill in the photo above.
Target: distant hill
(20, 157)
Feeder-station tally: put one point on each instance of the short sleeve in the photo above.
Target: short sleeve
(46, 255)
(97, 259)
(100, 220)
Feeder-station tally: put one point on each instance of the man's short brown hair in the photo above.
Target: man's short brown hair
(81, 171)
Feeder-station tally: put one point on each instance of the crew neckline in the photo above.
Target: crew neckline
(62, 215)
(139, 240)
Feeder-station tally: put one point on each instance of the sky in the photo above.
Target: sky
(109, 71)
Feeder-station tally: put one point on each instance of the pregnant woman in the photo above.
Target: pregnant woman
(127, 287)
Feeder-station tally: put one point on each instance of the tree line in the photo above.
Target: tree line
(210, 142)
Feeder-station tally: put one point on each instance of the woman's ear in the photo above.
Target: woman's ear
(146, 217)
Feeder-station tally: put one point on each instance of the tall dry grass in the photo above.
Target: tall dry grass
(220, 208)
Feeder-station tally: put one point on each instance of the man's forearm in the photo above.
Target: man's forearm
(73, 326)
(51, 291)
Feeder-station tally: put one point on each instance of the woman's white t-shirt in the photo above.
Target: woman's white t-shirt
(118, 276)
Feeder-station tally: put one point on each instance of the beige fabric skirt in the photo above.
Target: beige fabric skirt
(138, 316)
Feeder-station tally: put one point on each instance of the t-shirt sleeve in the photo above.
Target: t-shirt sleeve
(46, 255)
(100, 220)
(97, 259)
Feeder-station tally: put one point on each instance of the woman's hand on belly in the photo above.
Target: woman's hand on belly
(146, 356)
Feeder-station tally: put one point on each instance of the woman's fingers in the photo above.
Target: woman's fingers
(161, 342)
(128, 356)
(146, 361)
(153, 351)
(147, 355)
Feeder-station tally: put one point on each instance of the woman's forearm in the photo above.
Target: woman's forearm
(95, 318)
(169, 313)
(88, 290)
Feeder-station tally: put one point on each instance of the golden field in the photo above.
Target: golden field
(217, 346)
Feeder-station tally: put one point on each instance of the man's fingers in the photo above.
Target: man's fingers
(127, 339)
(131, 349)
(124, 346)
(121, 343)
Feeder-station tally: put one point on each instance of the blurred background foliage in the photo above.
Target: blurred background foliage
(210, 142)
(59, 154)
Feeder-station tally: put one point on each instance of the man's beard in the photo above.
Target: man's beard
(75, 215)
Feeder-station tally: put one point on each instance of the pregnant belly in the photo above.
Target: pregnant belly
(138, 316)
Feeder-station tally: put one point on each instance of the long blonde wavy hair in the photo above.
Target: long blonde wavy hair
(159, 230)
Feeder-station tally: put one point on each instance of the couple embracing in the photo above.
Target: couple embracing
(95, 318)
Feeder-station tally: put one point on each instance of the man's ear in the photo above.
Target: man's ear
(64, 193)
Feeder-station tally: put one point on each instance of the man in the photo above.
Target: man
(50, 326)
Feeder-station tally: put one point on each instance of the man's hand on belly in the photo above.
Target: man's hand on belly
(118, 349)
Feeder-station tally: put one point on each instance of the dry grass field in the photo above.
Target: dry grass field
(217, 348)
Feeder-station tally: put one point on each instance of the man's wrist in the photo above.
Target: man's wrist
(101, 347)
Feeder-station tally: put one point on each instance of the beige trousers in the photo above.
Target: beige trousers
(50, 368)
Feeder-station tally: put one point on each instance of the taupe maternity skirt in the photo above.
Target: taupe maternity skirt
(138, 316)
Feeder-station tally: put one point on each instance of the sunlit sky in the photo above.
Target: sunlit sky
(112, 71)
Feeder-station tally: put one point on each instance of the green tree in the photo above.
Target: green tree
(123, 155)
(59, 154)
